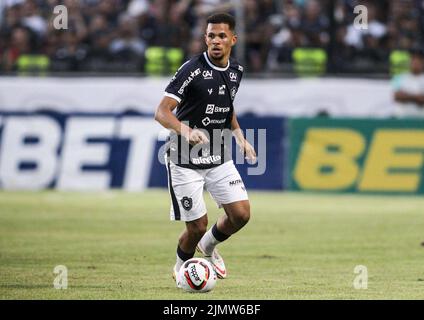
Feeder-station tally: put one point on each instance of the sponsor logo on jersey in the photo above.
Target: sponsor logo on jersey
(207, 74)
(189, 79)
(206, 160)
(206, 121)
(210, 91)
(222, 109)
(221, 90)
(211, 108)
(240, 68)
(233, 76)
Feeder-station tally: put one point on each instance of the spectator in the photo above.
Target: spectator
(71, 54)
(20, 43)
(409, 88)
(274, 28)
(99, 55)
(314, 25)
(287, 36)
(33, 19)
(127, 47)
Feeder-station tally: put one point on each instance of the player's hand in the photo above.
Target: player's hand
(248, 151)
(197, 137)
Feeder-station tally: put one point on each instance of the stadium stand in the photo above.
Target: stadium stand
(129, 36)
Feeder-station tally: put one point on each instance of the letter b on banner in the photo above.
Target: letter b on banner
(28, 158)
(328, 159)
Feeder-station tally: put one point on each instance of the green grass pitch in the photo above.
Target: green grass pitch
(119, 245)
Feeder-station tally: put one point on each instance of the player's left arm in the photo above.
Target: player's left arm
(245, 147)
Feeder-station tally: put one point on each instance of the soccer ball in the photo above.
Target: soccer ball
(197, 275)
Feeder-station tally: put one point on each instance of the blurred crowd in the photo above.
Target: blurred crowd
(114, 35)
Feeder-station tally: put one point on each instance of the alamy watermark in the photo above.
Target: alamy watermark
(361, 20)
(178, 150)
(61, 280)
(361, 280)
(60, 21)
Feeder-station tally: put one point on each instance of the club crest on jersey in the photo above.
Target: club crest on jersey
(207, 74)
(187, 203)
(233, 92)
(233, 76)
(222, 89)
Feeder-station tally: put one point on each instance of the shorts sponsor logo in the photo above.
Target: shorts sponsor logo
(235, 182)
(189, 79)
(187, 203)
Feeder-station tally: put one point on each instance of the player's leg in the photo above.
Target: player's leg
(237, 215)
(186, 191)
(226, 187)
(189, 238)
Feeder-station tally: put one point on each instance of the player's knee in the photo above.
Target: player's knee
(197, 233)
(242, 217)
(197, 230)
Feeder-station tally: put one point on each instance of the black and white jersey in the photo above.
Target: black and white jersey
(205, 93)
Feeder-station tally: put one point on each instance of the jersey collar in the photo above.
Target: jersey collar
(214, 66)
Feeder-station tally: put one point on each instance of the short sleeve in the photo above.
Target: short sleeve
(178, 85)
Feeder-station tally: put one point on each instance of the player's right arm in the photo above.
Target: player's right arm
(167, 119)
(176, 91)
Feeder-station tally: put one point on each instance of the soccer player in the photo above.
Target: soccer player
(203, 90)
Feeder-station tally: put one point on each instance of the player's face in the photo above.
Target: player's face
(219, 39)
